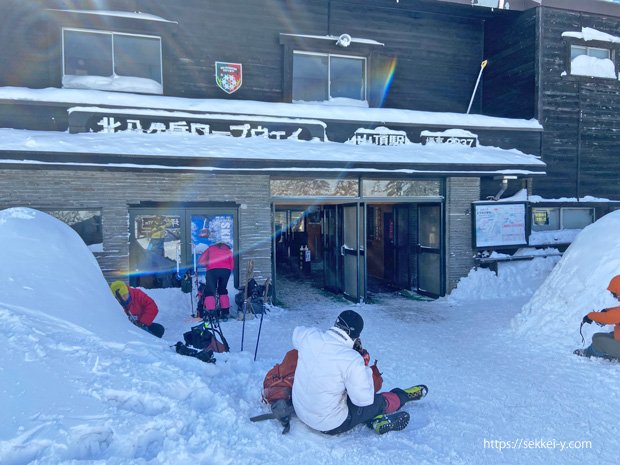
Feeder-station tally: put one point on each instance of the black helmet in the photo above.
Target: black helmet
(351, 323)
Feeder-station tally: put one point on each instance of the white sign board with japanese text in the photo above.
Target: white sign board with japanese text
(499, 224)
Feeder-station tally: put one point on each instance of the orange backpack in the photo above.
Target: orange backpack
(278, 383)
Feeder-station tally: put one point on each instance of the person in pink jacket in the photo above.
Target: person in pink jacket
(219, 262)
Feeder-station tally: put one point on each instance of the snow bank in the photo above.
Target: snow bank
(513, 279)
(79, 382)
(49, 273)
(576, 286)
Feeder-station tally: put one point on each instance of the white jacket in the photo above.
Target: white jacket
(328, 369)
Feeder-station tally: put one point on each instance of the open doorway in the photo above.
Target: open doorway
(358, 248)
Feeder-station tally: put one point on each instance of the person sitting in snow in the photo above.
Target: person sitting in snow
(139, 307)
(334, 390)
(605, 345)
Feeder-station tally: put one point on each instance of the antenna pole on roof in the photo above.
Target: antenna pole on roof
(482, 66)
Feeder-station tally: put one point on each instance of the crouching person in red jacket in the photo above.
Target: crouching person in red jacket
(139, 307)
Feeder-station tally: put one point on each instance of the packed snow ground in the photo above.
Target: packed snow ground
(80, 384)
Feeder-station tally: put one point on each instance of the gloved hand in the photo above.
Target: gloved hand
(366, 356)
(357, 346)
(377, 379)
(133, 318)
(586, 320)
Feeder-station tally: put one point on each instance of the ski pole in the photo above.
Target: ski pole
(245, 304)
(482, 66)
(258, 337)
(191, 301)
(178, 259)
(249, 274)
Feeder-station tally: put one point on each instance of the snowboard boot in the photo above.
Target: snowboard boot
(182, 349)
(416, 392)
(389, 422)
(410, 394)
(581, 353)
(224, 314)
(282, 411)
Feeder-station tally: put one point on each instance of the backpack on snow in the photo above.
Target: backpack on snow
(278, 390)
(278, 382)
(202, 336)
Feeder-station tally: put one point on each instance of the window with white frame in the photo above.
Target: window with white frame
(112, 61)
(592, 62)
(555, 218)
(559, 225)
(323, 77)
(577, 50)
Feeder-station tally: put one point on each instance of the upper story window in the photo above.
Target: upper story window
(592, 62)
(578, 50)
(324, 77)
(592, 53)
(112, 61)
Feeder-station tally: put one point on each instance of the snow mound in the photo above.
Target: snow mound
(513, 279)
(79, 382)
(47, 268)
(576, 286)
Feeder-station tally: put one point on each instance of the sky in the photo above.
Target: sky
(80, 384)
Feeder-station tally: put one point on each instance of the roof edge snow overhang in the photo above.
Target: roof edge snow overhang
(578, 6)
(74, 160)
(67, 98)
(115, 14)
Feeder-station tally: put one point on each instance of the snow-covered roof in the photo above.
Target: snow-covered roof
(183, 114)
(250, 107)
(118, 14)
(222, 153)
(588, 33)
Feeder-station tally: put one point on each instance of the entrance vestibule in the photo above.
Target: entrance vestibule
(360, 248)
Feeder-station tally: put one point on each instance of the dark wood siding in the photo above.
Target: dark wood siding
(437, 56)
(509, 78)
(237, 31)
(581, 141)
(436, 48)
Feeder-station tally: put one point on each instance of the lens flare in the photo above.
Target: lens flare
(388, 72)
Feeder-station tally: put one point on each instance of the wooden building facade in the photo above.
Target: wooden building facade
(344, 72)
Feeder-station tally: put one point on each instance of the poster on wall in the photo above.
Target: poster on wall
(211, 229)
(499, 225)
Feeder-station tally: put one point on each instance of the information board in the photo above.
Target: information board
(499, 224)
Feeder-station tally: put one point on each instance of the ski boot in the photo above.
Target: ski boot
(581, 353)
(389, 422)
(416, 392)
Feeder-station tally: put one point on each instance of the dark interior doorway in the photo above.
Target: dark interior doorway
(355, 249)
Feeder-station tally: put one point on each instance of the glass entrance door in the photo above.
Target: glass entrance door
(402, 249)
(206, 229)
(429, 250)
(331, 248)
(163, 243)
(154, 246)
(353, 227)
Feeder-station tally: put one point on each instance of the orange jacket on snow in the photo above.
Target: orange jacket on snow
(610, 316)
